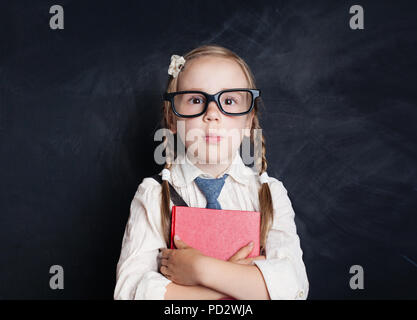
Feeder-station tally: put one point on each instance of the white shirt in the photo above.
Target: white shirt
(138, 276)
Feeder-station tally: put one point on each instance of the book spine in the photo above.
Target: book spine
(173, 226)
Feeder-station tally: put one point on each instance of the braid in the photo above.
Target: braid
(265, 201)
(264, 162)
(265, 197)
(166, 196)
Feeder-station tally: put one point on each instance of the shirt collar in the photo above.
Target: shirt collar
(184, 171)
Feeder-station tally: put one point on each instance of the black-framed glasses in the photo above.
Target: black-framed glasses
(233, 102)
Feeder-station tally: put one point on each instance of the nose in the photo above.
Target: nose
(212, 112)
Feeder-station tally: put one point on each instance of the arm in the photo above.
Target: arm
(281, 275)
(137, 275)
(187, 266)
(228, 277)
(283, 269)
(179, 292)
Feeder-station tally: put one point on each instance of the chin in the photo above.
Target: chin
(212, 153)
(218, 156)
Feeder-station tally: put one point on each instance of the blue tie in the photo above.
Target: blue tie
(211, 189)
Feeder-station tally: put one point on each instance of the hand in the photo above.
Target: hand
(240, 256)
(180, 265)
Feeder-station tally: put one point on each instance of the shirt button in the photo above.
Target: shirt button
(301, 294)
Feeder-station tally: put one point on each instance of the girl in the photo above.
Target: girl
(214, 114)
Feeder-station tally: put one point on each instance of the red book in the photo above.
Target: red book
(216, 233)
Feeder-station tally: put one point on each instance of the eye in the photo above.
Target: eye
(196, 100)
(229, 101)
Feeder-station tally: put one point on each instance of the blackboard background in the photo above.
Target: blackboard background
(79, 107)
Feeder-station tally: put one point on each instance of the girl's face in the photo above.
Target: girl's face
(212, 74)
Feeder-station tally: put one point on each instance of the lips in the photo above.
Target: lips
(213, 138)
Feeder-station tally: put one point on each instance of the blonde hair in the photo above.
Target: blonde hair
(265, 199)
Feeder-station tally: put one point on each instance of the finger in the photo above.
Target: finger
(179, 244)
(164, 262)
(247, 261)
(165, 271)
(240, 254)
(243, 261)
(243, 252)
(166, 253)
(250, 260)
(258, 258)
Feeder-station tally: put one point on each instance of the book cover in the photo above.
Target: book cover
(216, 233)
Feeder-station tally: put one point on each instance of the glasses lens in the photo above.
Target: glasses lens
(236, 101)
(189, 104)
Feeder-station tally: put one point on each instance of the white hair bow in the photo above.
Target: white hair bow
(166, 174)
(177, 63)
(263, 177)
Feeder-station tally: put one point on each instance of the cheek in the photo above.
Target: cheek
(234, 139)
(236, 128)
(188, 130)
(233, 133)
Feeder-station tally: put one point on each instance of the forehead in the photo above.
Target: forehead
(211, 74)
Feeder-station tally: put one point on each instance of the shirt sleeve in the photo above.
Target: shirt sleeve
(283, 268)
(137, 275)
